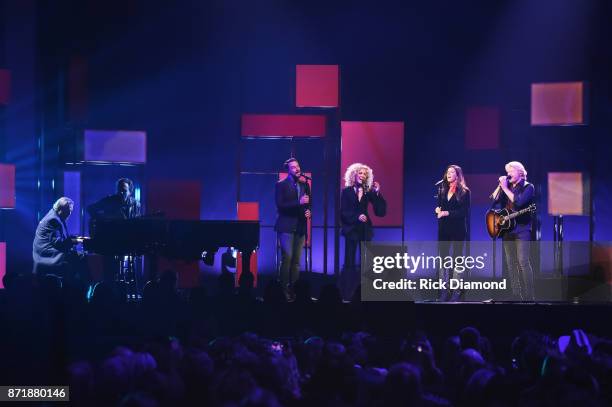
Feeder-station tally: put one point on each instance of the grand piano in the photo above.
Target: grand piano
(175, 239)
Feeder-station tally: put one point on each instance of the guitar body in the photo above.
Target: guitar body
(498, 220)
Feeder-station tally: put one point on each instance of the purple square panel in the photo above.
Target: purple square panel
(7, 186)
(115, 146)
(482, 128)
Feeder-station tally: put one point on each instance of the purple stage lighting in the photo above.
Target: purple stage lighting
(7, 186)
(115, 146)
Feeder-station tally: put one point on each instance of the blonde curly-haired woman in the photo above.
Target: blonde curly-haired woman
(360, 190)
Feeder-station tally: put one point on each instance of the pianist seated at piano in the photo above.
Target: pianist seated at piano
(53, 249)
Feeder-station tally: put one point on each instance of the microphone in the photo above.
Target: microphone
(494, 195)
(305, 176)
(438, 183)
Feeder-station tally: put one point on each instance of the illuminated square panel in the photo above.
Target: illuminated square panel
(115, 146)
(7, 186)
(248, 210)
(316, 85)
(5, 86)
(283, 125)
(558, 104)
(2, 262)
(380, 145)
(482, 128)
(567, 193)
(162, 197)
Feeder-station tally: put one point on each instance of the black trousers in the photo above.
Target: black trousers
(350, 275)
(450, 247)
(517, 250)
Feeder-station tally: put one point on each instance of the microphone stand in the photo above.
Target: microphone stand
(495, 197)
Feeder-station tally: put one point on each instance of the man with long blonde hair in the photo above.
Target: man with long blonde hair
(515, 193)
(360, 190)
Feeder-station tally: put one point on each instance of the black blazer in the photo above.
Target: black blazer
(113, 207)
(290, 218)
(351, 208)
(51, 243)
(455, 225)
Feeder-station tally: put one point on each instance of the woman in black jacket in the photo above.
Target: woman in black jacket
(360, 190)
(453, 212)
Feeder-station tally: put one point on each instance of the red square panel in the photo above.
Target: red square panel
(2, 262)
(248, 210)
(481, 186)
(316, 85)
(252, 267)
(7, 186)
(161, 196)
(188, 271)
(482, 128)
(5, 86)
(379, 145)
(283, 125)
(558, 104)
(601, 258)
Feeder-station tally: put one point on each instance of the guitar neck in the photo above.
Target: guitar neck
(519, 213)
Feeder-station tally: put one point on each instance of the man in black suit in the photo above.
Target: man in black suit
(360, 189)
(52, 246)
(293, 207)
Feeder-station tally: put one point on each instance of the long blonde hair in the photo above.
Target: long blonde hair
(519, 166)
(349, 175)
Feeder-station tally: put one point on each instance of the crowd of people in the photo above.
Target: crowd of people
(229, 348)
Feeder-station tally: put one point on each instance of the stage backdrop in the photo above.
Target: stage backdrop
(380, 145)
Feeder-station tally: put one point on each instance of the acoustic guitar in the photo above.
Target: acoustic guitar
(499, 220)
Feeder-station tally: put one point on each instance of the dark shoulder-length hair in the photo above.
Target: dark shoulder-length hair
(462, 188)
